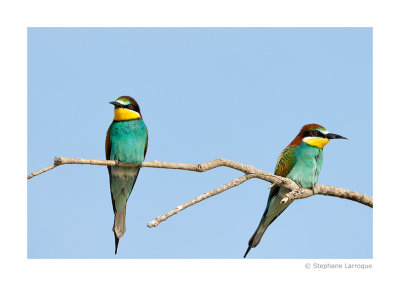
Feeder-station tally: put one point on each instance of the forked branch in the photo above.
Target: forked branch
(296, 191)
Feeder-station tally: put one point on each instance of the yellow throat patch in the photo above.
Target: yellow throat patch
(316, 142)
(122, 114)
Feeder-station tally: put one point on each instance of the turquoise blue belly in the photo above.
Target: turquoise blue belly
(307, 166)
(128, 142)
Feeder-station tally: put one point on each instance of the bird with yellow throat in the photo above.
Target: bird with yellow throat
(300, 161)
(126, 142)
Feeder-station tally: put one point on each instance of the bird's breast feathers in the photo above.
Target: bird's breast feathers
(308, 165)
(128, 140)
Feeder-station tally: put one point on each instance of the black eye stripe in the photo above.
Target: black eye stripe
(310, 133)
(132, 107)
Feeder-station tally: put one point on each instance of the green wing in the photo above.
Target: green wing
(285, 164)
(286, 161)
(108, 150)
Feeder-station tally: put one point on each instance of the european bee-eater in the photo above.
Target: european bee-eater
(126, 142)
(301, 162)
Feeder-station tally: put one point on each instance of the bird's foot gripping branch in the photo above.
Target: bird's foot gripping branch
(250, 172)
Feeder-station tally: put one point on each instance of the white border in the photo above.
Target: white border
(16, 16)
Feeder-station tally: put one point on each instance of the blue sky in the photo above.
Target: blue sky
(205, 93)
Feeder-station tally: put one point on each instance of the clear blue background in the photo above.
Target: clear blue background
(205, 93)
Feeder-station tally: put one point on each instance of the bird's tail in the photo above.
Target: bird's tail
(119, 225)
(256, 237)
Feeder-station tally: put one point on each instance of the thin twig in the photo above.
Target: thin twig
(296, 191)
(198, 199)
(31, 175)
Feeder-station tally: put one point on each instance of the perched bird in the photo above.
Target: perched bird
(126, 142)
(301, 162)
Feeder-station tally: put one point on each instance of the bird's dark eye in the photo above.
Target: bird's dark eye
(315, 132)
(130, 106)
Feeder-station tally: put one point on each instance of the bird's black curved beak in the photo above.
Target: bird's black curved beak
(334, 136)
(116, 104)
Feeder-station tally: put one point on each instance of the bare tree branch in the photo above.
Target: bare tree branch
(328, 191)
(296, 191)
(204, 196)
